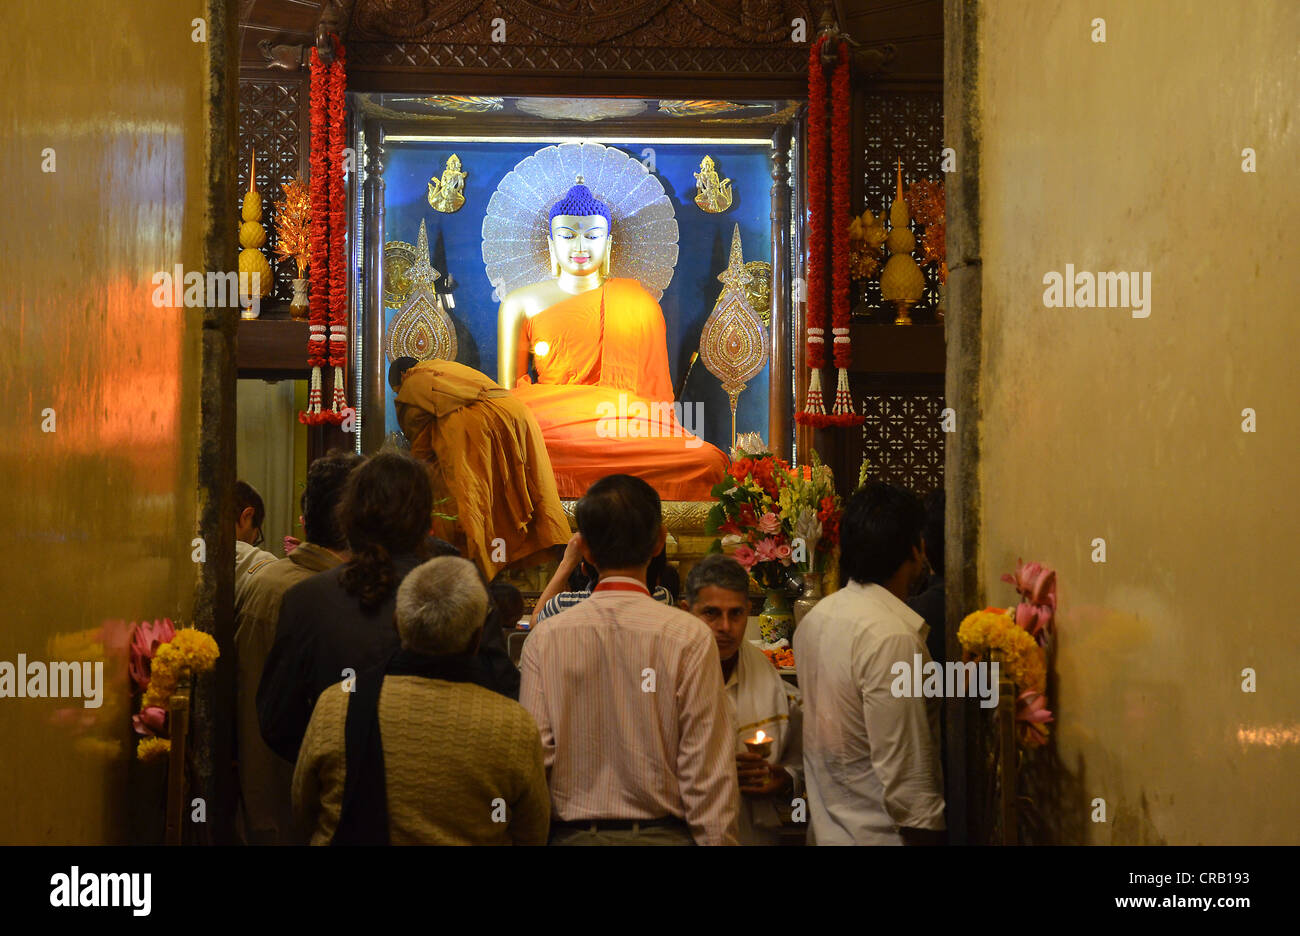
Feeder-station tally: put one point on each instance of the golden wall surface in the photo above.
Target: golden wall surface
(100, 511)
(1127, 156)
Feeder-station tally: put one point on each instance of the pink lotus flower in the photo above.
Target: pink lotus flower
(745, 556)
(1036, 584)
(1031, 711)
(1032, 707)
(769, 523)
(150, 721)
(145, 641)
(766, 550)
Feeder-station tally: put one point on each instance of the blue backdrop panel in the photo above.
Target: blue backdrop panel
(704, 243)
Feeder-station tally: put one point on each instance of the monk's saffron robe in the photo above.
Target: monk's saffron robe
(603, 396)
(489, 464)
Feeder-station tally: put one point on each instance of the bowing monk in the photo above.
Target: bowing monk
(489, 466)
(603, 396)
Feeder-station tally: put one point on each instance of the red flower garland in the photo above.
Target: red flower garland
(816, 272)
(318, 296)
(338, 271)
(814, 412)
(328, 296)
(840, 207)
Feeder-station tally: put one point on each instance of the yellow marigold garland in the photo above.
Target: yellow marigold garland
(1022, 658)
(188, 653)
(153, 749)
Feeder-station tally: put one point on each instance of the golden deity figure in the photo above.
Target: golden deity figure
(446, 194)
(602, 394)
(713, 194)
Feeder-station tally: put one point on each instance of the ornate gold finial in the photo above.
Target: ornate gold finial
(713, 193)
(578, 180)
(422, 329)
(901, 281)
(422, 273)
(446, 194)
(733, 341)
(251, 237)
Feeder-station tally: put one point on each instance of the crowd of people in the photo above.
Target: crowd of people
(377, 703)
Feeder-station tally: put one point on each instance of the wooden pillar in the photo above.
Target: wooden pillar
(213, 705)
(962, 118)
(780, 373)
(373, 374)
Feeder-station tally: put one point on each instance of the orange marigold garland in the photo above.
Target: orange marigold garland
(814, 411)
(327, 342)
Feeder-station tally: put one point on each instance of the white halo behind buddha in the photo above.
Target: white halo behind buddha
(516, 226)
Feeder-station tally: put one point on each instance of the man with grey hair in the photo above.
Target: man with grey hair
(414, 752)
(717, 592)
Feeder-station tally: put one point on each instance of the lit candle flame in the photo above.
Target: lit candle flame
(760, 737)
(542, 348)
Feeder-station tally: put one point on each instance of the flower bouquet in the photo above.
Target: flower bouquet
(163, 657)
(778, 522)
(1021, 637)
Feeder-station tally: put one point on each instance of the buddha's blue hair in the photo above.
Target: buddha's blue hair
(578, 202)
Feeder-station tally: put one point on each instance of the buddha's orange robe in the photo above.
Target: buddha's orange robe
(489, 466)
(603, 395)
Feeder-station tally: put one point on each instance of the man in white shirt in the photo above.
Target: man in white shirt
(717, 592)
(627, 695)
(871, 760)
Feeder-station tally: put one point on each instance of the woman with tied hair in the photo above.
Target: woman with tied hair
(340, 622)
(418, 754)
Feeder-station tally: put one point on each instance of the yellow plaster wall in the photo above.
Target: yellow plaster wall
(1127, 156)
(99, 513)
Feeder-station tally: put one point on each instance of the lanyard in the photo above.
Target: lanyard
(621, 586)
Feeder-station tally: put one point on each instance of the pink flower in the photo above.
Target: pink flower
(150, 721)
(145, 641)
(745, 556)
(769, 523)
(783, 553)
(766, 550)
(1036, 584)
(1031, 708)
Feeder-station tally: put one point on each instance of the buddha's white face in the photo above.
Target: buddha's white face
(580, 243)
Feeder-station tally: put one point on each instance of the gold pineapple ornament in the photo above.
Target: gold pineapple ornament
(901, 281)
(252, 236)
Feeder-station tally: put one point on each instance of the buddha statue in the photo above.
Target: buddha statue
(602, 396)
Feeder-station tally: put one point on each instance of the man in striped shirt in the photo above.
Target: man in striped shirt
(628, 696)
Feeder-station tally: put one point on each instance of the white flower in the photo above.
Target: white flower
(732, 539)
